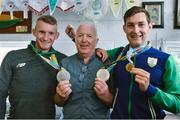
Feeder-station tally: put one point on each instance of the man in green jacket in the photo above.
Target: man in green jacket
(147, 80)
(28, 76)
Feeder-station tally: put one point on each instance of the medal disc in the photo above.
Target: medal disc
(129, 66)
(103, 74)
(63, 75)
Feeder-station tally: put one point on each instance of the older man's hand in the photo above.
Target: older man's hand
(103, 92)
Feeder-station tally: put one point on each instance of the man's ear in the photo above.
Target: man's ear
(34, 31)
(151, 25)
(124, 28)
(97, 40)
(58, 34)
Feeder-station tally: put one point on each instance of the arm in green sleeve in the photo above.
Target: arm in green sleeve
(111, 54)
(169, 97)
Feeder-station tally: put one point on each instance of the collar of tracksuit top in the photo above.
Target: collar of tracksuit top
(39, 52)
(52, 61)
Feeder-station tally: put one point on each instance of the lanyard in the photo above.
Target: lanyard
(123, 57)
(52, 61)
(136, 51)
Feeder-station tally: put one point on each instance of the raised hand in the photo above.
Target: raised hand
(102, 54)
(70, 31)
(142, 77)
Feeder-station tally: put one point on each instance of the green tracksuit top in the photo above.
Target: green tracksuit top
(29, 82)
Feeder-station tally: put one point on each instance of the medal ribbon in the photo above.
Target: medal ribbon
(134, 53)
(52, 61)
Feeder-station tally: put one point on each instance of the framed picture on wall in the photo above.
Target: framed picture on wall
(156, 11)
(17, 25)
(177, 14)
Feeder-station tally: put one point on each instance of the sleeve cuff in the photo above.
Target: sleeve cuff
(151, 91)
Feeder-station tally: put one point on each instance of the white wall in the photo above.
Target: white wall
(109, 29)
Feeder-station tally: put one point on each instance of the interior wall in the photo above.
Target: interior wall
(109, 29)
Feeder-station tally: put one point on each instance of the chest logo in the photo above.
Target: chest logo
(152, 62)
(20, 65)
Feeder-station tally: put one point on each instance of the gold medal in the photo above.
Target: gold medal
(129, 66)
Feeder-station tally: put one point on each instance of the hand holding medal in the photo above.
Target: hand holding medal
(142, 77)
(63, 89)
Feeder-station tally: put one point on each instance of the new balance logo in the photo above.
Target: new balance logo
(20, 65)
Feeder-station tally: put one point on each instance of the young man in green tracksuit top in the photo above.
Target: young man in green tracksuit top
(28, 79)
(146, 79)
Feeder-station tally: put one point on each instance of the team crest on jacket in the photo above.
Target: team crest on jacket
(152, 61)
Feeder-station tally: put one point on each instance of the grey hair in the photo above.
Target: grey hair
(91, 23)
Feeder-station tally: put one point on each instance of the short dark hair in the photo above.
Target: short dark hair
(134, 10)
(48, 19)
